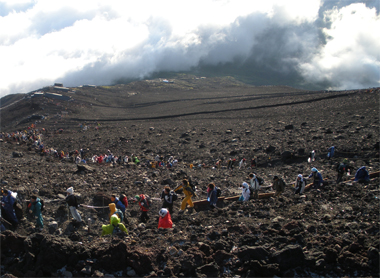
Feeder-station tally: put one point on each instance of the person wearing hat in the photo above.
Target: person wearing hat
(254, 185)
(189, 192)
(114, 210)
(72, 202)
(165, 220)
(35, 208)
(316, 175)
(278, 185)
(299, 185)
(362, 175)
(245, 192)
(114, 226)
(341, 169)
(144, 207)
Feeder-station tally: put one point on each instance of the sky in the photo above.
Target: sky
(332, 43)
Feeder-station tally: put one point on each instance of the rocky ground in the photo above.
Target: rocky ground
(331, 232)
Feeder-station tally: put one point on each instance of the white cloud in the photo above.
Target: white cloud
(78, 42)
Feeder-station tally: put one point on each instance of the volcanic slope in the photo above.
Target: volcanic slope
(332, 231)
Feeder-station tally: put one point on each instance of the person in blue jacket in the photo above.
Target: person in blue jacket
(212, 195)
(118, 203)
(362, 175)
(7, 204)
(36, 210)
(331, 152)
(316, 175)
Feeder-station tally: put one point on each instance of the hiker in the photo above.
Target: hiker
(189, 192)
(36, 208)
(311, 156)
(253, 162)
(72, 202)
(330, 152)
(168, 196)
(118, 203)
(124, 200)
(242, 164)
(299, 185)
(114, 210)
(114, 226)
(165, 220)
(254, 185)
(341, 169)
(246, 193)
(362, 175)
(212, 195)
(278, 185)
(316, 175)
(7, 207)
(144, 207)
(229, 164)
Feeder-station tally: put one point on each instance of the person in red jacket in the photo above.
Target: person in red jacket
(165, 220)
(124, 200)
(144, 207)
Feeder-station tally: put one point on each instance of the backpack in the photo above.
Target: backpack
(42, 204)
(218, 192)
(341, 168)
(174, 196)
(260, 180)
(116, 230)
(148, 200)
(192, 186)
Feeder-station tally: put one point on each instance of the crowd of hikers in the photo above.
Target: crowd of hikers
(249, 188)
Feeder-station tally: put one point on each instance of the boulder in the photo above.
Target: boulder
(290, 257)
(17, 154)
(247, 253)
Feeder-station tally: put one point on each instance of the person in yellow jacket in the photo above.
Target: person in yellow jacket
(115, 223)
(188, 191)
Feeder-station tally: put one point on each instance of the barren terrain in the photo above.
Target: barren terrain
(329, 232)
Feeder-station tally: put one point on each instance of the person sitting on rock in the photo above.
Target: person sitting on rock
(35, 208)
(212, 195)
(7, 207)
(144, 207)
(316, 175)
(189, 192)
(165, 220)
(118, 203)
(299, 185)
(254, 186)
(168, 196)
(246, 193)
(362, 175)
(278, 185)
(114, 210)
(72, 202)
(114, 227)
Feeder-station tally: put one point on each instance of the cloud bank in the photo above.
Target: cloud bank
(332, 44)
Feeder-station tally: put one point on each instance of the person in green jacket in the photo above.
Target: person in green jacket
(115, 223)
(36, 210)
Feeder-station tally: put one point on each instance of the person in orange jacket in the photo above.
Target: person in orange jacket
(189, 192)
(165, 220)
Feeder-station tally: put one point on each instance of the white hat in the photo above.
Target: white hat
(163, 212)
(70, 190)
(300, 176)
(245, 185)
